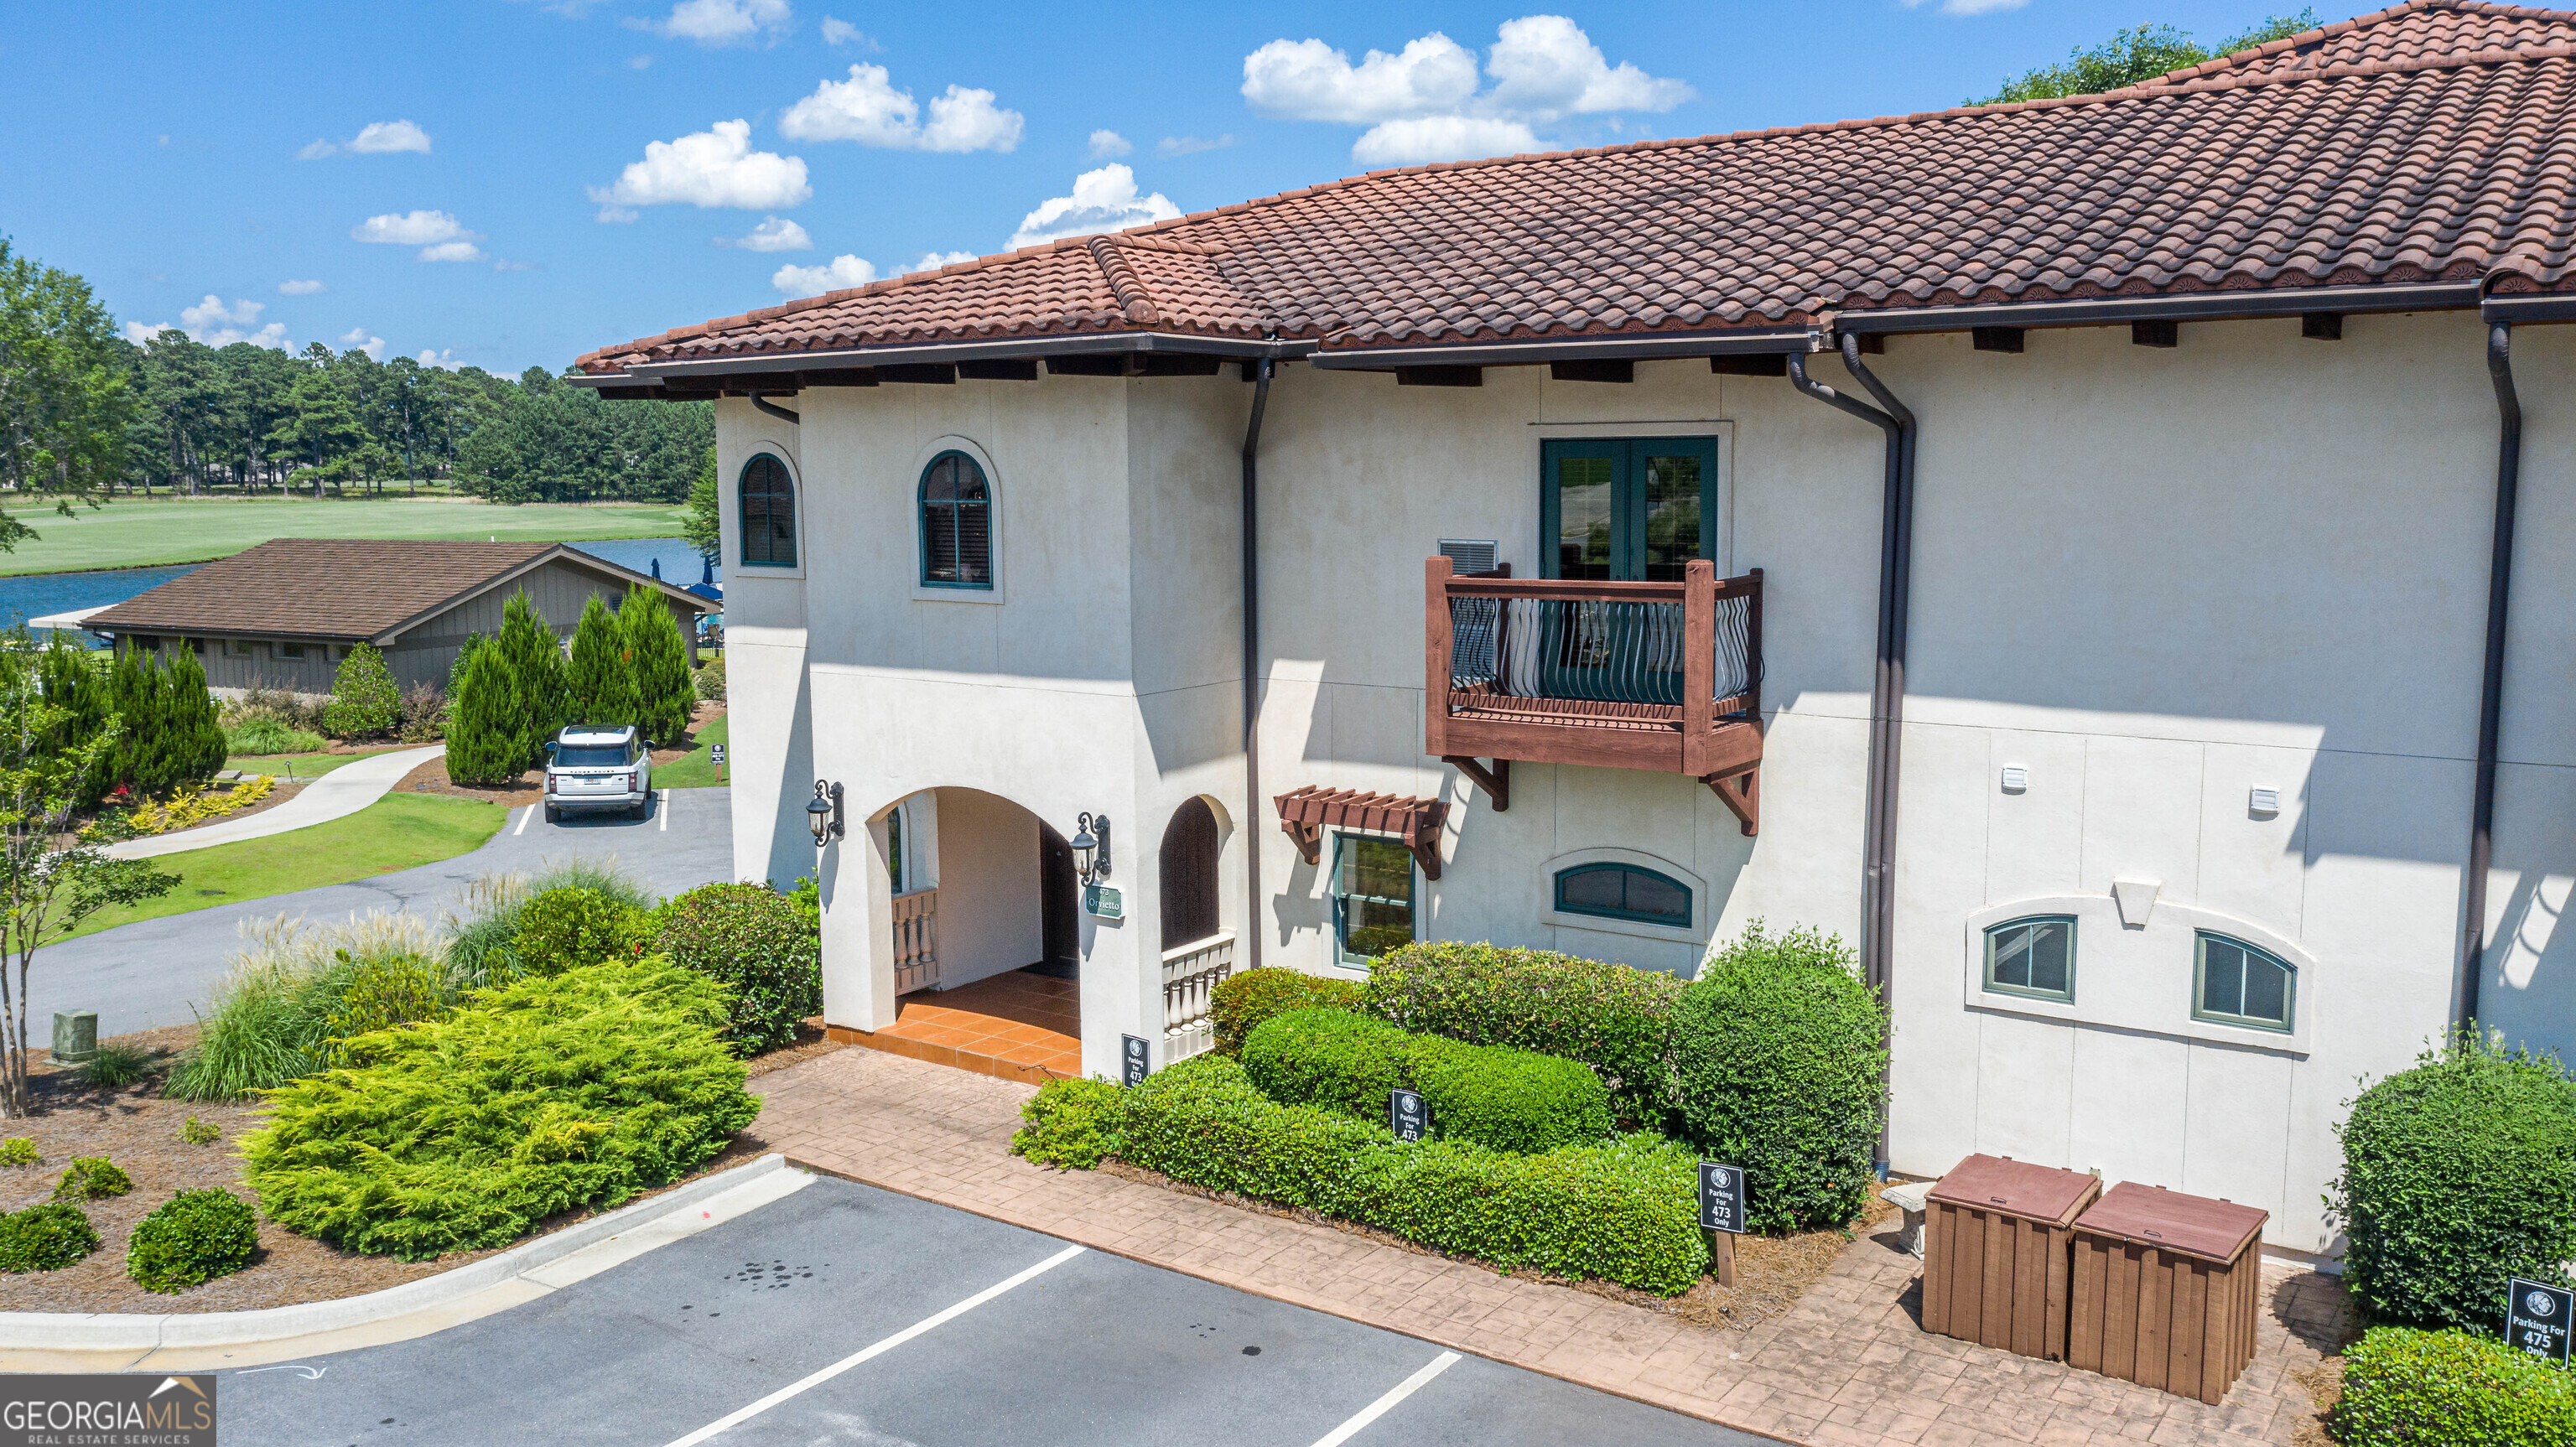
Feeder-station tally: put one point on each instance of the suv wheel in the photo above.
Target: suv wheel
(553, 814)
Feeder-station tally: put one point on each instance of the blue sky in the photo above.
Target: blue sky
(472, 179)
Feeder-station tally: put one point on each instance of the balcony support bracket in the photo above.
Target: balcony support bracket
(1740, 790)
(1495, 781)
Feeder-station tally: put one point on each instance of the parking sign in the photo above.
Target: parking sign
(1133, 1060)
(1407, 1113)
(1721, 1198)
(2537, 1318)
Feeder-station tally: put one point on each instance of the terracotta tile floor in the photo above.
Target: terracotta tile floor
(1849, 1364)
(1017, 1026)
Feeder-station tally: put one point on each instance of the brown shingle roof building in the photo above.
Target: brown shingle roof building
(2423, 153)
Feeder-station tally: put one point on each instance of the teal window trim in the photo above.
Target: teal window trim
(1343, 899)
(1627, 457)
(921, 519)
(1997, 934)
(2253, 957)
(1680, 921)
(768, 512)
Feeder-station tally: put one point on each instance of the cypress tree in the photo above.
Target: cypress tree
(197, 743)
(484, 730)
(600, 680)
(133, 696)
(665, 696)
(76, 680)
(534, 661)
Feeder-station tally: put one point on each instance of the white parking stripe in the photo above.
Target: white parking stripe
(737, 1418)
(1382, 1405)
(523, 820)
(665, 825)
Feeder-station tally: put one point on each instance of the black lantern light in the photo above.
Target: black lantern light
(823, 812)
(1091, 848)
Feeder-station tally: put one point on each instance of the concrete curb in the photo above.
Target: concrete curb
(138, 1334)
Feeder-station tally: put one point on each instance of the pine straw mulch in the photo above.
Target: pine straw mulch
(1771, 1273)
(139, 1130)
(431, 777)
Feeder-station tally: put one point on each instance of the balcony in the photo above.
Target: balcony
(1664, 676)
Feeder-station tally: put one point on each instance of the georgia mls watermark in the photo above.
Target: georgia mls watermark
(107, 1409)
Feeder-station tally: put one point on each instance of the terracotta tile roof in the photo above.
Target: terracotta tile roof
(321, 588)
(2435, 141)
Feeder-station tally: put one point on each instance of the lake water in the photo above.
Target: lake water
(35, 595)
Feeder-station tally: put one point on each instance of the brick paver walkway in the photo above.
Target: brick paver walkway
(1847, 1365)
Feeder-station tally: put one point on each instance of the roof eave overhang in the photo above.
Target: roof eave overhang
(2186, 306)
(1533, 351)
(993, 349)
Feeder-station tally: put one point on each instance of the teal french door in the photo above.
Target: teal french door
(1621, 510)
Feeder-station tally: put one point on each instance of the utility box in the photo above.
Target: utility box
(2166, 1289)
(75, 1036)
(1996, 1234)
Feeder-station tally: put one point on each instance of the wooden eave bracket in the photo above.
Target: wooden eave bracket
(1304, 815)
(1495, 781)
(1740, 790)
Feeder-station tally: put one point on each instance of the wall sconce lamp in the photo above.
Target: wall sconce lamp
(823, 812)
(1091, 848)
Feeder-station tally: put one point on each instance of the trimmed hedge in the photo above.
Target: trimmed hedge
(2458, 1174)
(1071, 1123)
(2406, 1388)
(48, 1237)
(757, 942)
(1611, 1017)
(1778, 1054)
(1243, 1000)
(1625, 1211)
(192, 1238)
(1510, 1100)
(547, 1094)
(563, 928)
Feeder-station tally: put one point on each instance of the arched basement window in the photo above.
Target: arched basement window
(956, 524)
(2032, 956)
(1189, 875)
(768, 514)
(1623, 891)
(2238, 984)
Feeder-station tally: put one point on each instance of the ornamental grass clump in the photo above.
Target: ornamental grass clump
(191, 1239)
(46, 1238)
(541, 1096)
(2407, 1388)
(295, 989)
(1510, 1100)
(92, 1178)
(1611, 1017)
(757, 943)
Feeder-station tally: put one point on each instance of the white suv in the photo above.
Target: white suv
(599, 766)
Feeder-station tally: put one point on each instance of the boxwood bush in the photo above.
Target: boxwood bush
(1622, 1211)
(1071, 1123)
(755, 941)
(1611, 1017)
(92, 1178)
(547, 1094)
(2457, 1175)
(573, 925)
(48, 1237)
(192, 1238)
(2406, 1388)
(1778, 1050)
(1248, 997)
(1511, 1100)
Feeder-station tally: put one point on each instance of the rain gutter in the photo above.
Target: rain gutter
(2187, 306)
(2508, 488)
(1633, 345)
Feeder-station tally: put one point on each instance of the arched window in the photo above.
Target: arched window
(1623, 891)
(768, 514)
(2237, 984)
(956, 524)
(2032, 956)
(1189, 875)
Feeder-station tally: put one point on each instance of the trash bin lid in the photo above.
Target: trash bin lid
(2171, 1221)
(2019, 1188)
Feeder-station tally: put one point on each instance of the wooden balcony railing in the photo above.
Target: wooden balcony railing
(1663, 676)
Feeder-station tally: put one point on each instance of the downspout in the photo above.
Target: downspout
(2508, 486)
(774, 410)
(1252, 668)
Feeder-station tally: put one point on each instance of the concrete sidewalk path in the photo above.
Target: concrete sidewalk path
(336, 795)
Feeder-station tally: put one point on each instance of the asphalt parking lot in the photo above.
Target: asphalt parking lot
(848, 1314)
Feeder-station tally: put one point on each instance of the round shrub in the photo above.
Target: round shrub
(2439, 1388)
(759, 944)
(19, 1150)
(92, 1178)
(262, 734)
(1778, 1050)
(561, 928)
(46, 1238)
(200, 1132)
(1071, 1123)
(365, 700)
(193, 1238)
(1509, 1100)
(1332, 1058)
(1611, 1017)
(1244, 999)
(2457, 1175)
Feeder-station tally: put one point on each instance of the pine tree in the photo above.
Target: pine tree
(665, 695)
(600, 681)
(196, 735)
(134, 691)
(528, 651)
(365, 700)
(484, 731)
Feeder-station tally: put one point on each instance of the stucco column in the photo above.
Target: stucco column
(858, 929)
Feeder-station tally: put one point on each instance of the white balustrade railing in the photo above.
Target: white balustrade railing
(916, 941)
(1191, 974)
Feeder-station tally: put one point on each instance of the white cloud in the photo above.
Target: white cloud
(726, 22)
(933, 260)
(1970, 7)
(618, 215)
(713, 167)
(1170, 146)
(1102, 200)
(867, 109)
(452, 251)
(444, 359)
(357, 340)
(837, 31)
(775, 233)
(313, 150)
(411, 228)
(141, 334)
(1107, 145)
(1423, 104)
(216, 325)
(212, 312)
(840, 274)
(380, 138)
(301, 288)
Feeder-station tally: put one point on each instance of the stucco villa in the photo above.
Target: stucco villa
(2090, 552)
(283, 614)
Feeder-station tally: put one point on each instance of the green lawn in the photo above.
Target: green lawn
(297, 766)
(399, 831)
(129, 533)
(698, 770)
